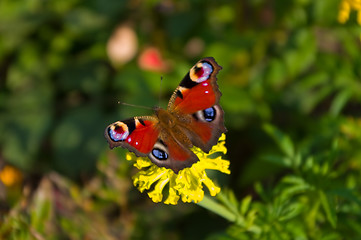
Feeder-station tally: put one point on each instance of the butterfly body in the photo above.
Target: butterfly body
(173, 125)
(193, 118)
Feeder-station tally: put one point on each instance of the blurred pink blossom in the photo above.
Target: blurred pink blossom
(122, 45)
(152, 60)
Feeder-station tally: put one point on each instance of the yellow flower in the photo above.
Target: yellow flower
(345, 8)
(187, 185)
(10, 176)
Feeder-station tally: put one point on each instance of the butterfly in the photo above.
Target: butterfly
(193, 118)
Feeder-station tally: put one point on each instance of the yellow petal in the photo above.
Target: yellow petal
(344, 11)
(173, 196)
(145, 179)
(157, 194)
(359, 17)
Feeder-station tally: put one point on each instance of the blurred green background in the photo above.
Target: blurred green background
(291, 95)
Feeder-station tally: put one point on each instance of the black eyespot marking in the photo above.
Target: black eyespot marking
(195, 116)
(141, 121)
(187, 82)
(196, 68)
(131, 124)
(179, 94)
(159, 154)
(161, 141)
(209, 114)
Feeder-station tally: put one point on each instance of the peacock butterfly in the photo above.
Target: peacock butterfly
(193, 118)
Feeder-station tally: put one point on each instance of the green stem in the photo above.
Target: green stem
(210, 204)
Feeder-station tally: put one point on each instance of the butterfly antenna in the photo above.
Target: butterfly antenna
(160, 90)
(133, 105)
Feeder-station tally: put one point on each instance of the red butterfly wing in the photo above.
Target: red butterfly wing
(206, 127)
(171, 154)
(137, 134)
(198, 95)
(198, 90)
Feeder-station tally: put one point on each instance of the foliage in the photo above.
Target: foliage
(317, 198)
(291, 95)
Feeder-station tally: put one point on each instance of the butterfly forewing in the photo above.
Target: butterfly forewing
(137, 134)
(198, 90)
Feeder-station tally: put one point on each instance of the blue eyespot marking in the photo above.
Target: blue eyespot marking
(118, 134)
(159, 154)
(209, 114)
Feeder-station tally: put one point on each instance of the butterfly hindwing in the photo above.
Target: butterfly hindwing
(207, 126)
(171, 154)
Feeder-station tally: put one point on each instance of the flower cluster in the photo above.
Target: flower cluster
(345, 8)
(187, 185)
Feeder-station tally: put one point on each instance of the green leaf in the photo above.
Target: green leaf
(279, 160)
(217, 208)
(328, 205)
(340, 101)
(291, 211)
(297, 186)
(42, 206)
(284, 142)
(246, 202)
